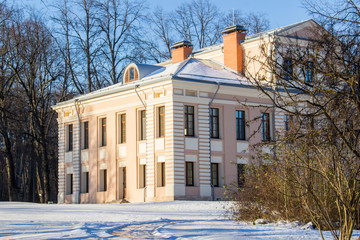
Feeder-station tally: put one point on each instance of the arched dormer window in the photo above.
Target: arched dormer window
(131, 74)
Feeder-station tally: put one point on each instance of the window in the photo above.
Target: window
(161, 122)
(102, 132)
(131, 75)
(241, 174)
(85, 182)
(189, 174)
(69, 141)
(265, 126)
(142, 125)
(161, 174)
(215, 174)
(287, 68)
(103, 180)
(85, 139)
(309, 72)
(189, 121)
(142, 176)
(121, 128)
(69, 184)
(214, 123)
(288, 122)
(240, 125)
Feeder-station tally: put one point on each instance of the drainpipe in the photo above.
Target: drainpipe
(136, 86)
(212, 186)
(77, 198)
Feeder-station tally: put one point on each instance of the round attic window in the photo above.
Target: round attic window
(131, 74)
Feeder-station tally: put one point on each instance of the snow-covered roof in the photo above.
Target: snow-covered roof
(277, 30)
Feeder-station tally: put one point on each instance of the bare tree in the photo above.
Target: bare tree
(252, 22)
(198, 22)
(117, 20)
(315, 83)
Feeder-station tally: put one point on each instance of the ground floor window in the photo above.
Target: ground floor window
(241, 174)
(85, 182)
(102, 180)
(215, 174)
(190, 174)
(69, 183)
(161, 174)
(142, 176)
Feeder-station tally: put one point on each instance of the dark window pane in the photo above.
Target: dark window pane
(214, 123)
(215, 174)
(189, 121)
(240, 125)
(189, 174)
(70, 137)
(265, 126)
(86, 135)
(241, 174)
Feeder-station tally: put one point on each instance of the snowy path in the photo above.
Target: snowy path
(165, 220)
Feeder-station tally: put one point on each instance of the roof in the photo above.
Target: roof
(191, 69)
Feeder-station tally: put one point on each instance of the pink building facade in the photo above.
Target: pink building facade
(179, 130)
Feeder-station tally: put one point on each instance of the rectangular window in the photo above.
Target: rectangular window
(161, 122)
(241, 174)
(103, 180)
(190, 174)
(240, 125)
(215, 174)
(142, 125)
(189, 121)
(85, 135)
(265, 126)
(102, 132)
(121, 128)
(69, 138)
(142, 176)
(85, 182)
(288, 122)
(161, 174)
(287, 69)
(69, 184)
(214, 123)
(309, 72)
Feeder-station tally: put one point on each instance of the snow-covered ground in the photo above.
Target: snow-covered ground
(162, 220)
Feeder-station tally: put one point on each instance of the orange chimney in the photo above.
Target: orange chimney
(233, 52)
(181, 50)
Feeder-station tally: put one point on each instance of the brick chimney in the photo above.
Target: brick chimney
(180, 51)
(233, 52)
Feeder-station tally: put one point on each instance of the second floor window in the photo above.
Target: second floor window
(309, 72)
(86, 135)
(161, 121)
(69, 137)
(142, 123)
(214, 123)
(102, 132)
(122, 128)
(288, 122)
(189, 121)
(240, 125)
(265, 126)
(287, 69)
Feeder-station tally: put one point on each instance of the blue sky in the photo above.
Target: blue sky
(279, 12)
